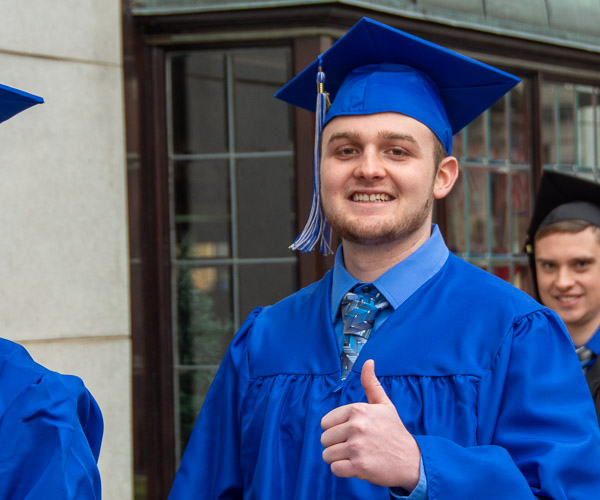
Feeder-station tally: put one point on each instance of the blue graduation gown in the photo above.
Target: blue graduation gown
(484, 377)
(50, 432)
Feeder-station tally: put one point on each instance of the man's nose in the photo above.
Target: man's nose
(370, 167)
(564, 278)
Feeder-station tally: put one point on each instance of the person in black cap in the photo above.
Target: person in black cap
(50, 425)
(473, 375)
(564, 255)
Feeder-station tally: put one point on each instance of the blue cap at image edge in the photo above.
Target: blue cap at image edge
(375, 68)
(13, 101)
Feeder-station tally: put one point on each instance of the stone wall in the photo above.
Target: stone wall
(64, 283)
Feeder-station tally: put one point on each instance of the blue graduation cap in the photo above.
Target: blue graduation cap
(375, 68)
(13, 101)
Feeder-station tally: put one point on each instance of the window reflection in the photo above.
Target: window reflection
(570, 131)
(262, 123)
(232, 205)
(202, 209)
(199, 124)
(487, 212)
(266, 224)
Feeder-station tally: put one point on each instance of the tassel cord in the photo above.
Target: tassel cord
(316, 228)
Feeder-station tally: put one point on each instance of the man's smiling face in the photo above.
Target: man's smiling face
(378, 177)
(568, 278)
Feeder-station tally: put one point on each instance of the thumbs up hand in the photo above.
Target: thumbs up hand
(369, 440)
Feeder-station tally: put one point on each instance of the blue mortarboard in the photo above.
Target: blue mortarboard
(374, 68)
(13, 101)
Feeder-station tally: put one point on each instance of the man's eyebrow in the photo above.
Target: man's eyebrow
(390, 135)
(385, 134)
(353, 136)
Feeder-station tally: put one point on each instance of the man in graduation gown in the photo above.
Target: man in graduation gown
(50, 425)
(405, 372)
(564, 255)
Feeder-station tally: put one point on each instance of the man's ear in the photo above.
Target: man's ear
(446, 176)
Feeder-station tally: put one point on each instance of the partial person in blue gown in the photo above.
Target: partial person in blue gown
(563, 244)
(405, 372)
(50, 425)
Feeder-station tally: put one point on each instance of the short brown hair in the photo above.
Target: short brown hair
(439, 151)
(567, 226)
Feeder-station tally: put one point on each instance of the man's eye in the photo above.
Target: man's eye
(347, 151)
(582, 264)
(397, 152)
(548, 266)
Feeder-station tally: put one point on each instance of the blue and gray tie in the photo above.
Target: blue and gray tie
(586, 356)
(359, 309)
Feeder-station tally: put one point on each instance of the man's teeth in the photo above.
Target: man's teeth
(567, 299)
(371, 197)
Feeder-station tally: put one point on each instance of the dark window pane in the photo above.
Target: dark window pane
(519, 126)
(477, 179)
(199, 103)
(202, 209)
(548, 125)
(262, 123)
(522, 278)
(475, 132)
(566, 116)
(265, 207)
(204, 314)
(558, 125)
(265, 284)
(193, 387)
(497, 130)
(500, 220)
(520, 209)
(457, 145)
(588, 128)
(454, 206)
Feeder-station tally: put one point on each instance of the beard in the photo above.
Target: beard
(384, 231)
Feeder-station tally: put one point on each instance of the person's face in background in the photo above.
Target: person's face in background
(568, 279)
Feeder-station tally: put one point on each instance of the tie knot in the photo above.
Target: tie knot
(585, 355)
(365, 294)
(359, 308)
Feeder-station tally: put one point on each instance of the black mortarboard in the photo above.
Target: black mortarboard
(13, 101)
(561, 197)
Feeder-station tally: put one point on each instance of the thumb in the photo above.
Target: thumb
(373, 389)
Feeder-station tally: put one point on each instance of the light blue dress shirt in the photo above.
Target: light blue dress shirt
(397, 284)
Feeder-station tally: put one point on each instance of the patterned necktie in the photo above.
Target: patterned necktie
(585, 355)
(359, 309)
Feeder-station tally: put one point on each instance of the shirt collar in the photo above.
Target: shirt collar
(594, 342)
(401, 281)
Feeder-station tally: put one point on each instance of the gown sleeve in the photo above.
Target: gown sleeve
(535, 412)
(51, 434)
(215, 439)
